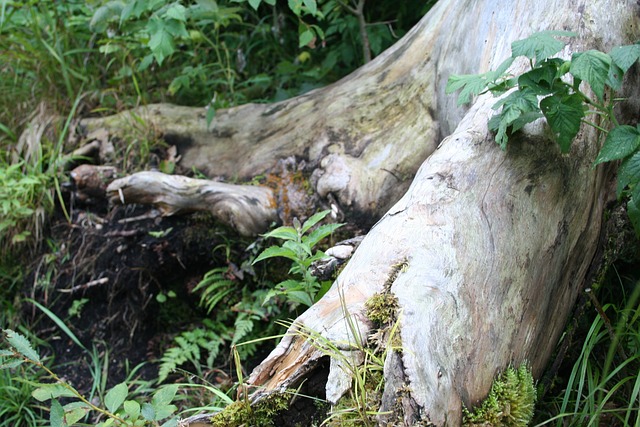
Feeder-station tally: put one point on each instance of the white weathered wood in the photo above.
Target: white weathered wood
(497, 243)
(246, 208)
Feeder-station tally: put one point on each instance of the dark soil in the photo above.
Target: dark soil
(101, 274)
(115, 263)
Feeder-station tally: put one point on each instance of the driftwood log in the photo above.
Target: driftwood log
(496, 244)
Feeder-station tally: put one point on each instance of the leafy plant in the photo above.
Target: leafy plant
(299, 243)
(115, 406)
(553, 89)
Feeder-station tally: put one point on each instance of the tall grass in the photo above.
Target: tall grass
(603, 386)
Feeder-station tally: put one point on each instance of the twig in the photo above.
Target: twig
(358, 11)
(85, 286)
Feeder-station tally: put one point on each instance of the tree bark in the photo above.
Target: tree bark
(496, 243)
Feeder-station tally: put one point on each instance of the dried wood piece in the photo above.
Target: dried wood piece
(248, 209)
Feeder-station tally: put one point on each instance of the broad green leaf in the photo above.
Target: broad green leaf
(161, 41)
(615, 76)
(564, 115)
(176, 28)
(177, 11)
(56, 416)
(300, 297)
(115, 397)
(148, 412)
(165, 395)
(75, 411)
(255, 4)
(284, 233)
(45, 392)
(514, 106)
(21, 344)
(173, 422)
(592, 66)
(103, 14)
(305, 38)
(164, 411)
(629, 172)
(625, 56)
(543, 78)
(523, 119)
(313, 220)
(540, 46)
(621, 142)
(127, 10)
(320, 233)
(276, 251)
(301, 250)
(471, 85)
(311, 5)
(295, 6)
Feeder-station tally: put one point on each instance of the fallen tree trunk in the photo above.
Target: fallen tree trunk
(494, 246)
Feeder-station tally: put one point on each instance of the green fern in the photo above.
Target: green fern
(214, 287)
(188, 349)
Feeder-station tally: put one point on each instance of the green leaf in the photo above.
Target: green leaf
(56, 416)
(295, 6)
(301, 250)
(276, 251)
(615, 76)
(148, 412)
(625, 56)
(313, 220)
(115, 397)
(320, 233)
(633, 210)
(311, 5)
(21, 344)
(58, 322)
(284, 233)
(621, 142)
(176, 11)
(543, 78)
(471, 85)
(592, 66)
(161, 40)
(211, 114)
(104, 14)
(540, 46)
(75, 411)
(564, 115)
(12, 363)
(45, 392)
(305, 38)
(514, 107)
(165, 395)
(629, 172)
(173, 422)
(255, 4)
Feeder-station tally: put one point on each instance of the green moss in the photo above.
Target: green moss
(241, 413)
(510, 402)
(381, 308)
